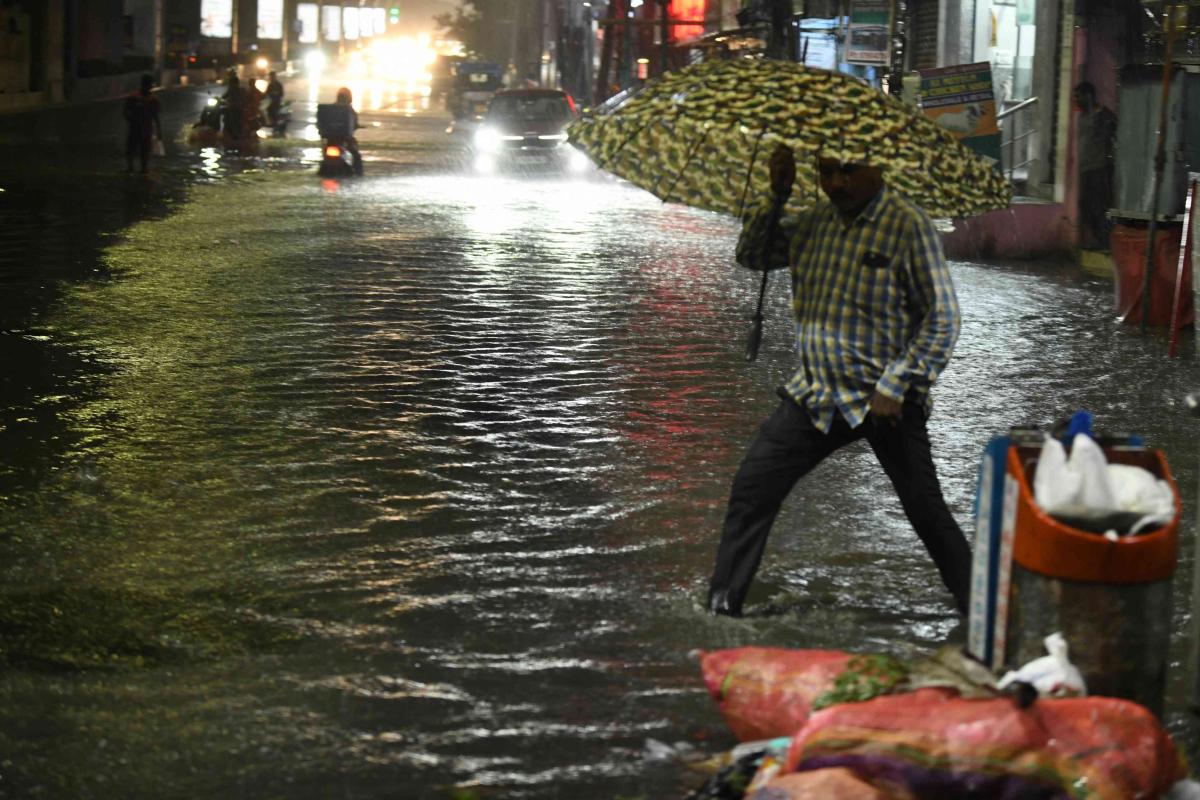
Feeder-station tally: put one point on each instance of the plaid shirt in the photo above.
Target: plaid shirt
(873, 301)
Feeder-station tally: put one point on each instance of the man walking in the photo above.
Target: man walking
(142, 124)
(1096, 131)
(876, 321)
(274, 98)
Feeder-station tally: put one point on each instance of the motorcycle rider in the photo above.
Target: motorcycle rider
(251, 113)
(346, 98)
(232, 109)
(274, 98)
(141, 116)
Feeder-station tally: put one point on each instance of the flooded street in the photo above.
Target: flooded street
(382, 487)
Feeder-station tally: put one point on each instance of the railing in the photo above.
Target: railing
(1007, 120)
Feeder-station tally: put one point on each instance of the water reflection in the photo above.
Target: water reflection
(210, 161)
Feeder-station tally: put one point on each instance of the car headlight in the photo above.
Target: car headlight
(485, 163)
(315, 60)
(577, 161)
(487, 140)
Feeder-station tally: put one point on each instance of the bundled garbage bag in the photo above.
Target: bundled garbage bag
(1086, 492)
(765, 692)
(934, 743)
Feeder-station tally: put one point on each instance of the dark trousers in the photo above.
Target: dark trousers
(137, 144)
(1095, 197)
(787, 448)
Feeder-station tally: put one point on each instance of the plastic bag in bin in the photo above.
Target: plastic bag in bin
(1085, 491)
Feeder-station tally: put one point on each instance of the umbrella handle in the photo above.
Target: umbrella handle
(756, 330)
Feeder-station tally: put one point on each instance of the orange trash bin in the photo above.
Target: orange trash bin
(1110, 599)
(1128, 243)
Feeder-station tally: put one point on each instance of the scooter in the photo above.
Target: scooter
(206, 131)
(210, 115)
(281, 119)
(339, 155)
(337, 160)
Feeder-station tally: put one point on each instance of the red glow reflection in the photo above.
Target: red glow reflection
(687, 10)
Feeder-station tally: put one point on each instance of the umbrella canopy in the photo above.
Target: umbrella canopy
(702, 136)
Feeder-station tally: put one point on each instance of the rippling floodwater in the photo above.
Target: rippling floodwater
(380, 488)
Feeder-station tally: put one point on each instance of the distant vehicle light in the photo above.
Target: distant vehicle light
(358, 66)
(553, 137)
(262, 63)
(212, 101)
(315, 60)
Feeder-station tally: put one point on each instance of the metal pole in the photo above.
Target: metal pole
(289, 19)
(1011, 127)
(664, 33)
(1160, 158)
(606, 54)
(233, 34)
(1009, 124)
(624, 69)
(159, 46)
(514, 55)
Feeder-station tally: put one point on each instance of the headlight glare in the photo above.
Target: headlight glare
(487, 140)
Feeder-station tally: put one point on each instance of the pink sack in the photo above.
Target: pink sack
(766, 692)
(933, 742)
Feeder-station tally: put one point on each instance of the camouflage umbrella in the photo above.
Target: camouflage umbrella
(702, 136)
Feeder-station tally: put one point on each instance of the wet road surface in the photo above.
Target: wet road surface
(383, 487)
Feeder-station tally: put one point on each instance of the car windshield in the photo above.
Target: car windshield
(554, 108)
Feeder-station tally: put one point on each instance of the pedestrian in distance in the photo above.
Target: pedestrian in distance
(1096, 132)
(876, 319)
(251, 108)
(142, 124)
(232, 107)
(274, 98)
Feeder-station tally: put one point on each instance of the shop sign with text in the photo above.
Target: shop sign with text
(870, 32)
(961, 100)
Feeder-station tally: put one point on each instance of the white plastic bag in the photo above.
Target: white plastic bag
(1184, 790)
(1137, 490)
(1077, 486)
(1086, 487)
(1053, 675)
